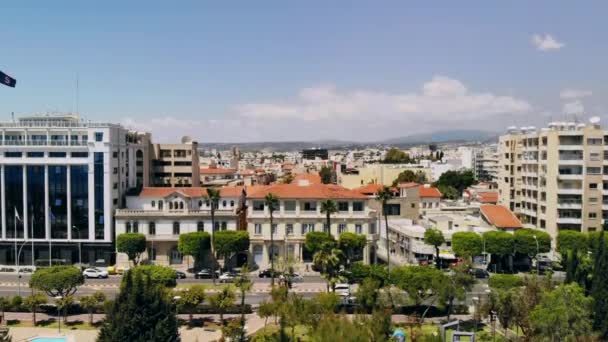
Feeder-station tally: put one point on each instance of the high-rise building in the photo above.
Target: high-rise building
(485, 164)
(60, 181)
(553, 178)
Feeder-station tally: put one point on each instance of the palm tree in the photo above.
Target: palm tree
(271, 201)
(329, 207)
(384, 195)
(328, 260)
(214, 199)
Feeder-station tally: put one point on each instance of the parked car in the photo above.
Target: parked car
(479, 273)
(180, 275)
(296, 278)
(94, 273)
(267, 273)
(343, 290)
(205, 273)
(227, 277)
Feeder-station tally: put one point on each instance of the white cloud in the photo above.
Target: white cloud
(546, 42)
(324, 111)
(569, 93)
(575, 107)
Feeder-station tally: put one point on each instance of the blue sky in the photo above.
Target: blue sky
(251, 71)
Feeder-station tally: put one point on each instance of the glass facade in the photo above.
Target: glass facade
(58, 207)
(35, 199)
(13, 182)
(99, 194)
(79, 193)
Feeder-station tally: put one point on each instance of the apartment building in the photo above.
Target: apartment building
(485, 164)
(405, 202)
(163, 213)
(384, 174)
(61, 179)
(175, 165)
(298, 213)
(553, 178)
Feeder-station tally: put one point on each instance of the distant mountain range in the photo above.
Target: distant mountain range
(444, 136)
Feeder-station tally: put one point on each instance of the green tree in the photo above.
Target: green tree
(92, 303)
(328, 260)
(525, 242)
(571, 240)
(63, 304)
(190, 299)
(265, 310)
(499, 243)
(458, 180)
(459, 281)
(448, 192)
(351, 245)
(525, 299)
(213, 195)
(367, 294)
(408, 176)
(422, 284)
(467, 244)
(383, 196)
(160, 275)
(396, 156)
(505, 282)
(57, 281)
(33, 302)
(132, 244)
(328, 207)
(579, 268)
(4, 304)
(195, 244)
(434, 237)
(142, 312)
(326, 174)
(563, 315)
(272, 202)
(244, 284)
(506, 310)
(231, 242)
(599, 287)
(315, 240)
(222, 300)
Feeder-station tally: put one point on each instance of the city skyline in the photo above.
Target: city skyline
(374, 73)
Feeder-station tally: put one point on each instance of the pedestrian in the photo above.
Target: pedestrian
(306, 267)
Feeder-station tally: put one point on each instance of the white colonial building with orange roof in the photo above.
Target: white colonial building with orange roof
(162, 214)
(299, 212)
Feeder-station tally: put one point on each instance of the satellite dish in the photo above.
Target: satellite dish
(595, 120)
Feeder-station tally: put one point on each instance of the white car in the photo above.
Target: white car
(296, 278)
(227, 277)
(94, 273)
(343, 290)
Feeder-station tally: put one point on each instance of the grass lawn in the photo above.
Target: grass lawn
(70, 325)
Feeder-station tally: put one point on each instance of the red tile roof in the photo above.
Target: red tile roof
(216, 171)
(228, 191)
(500, 216)
(428, 192)
(488, 197)
(407, 185)
(312, 191)
(370, 189)
(312, 178)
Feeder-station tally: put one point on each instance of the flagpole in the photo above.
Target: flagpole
(15, 237)
(32, 238)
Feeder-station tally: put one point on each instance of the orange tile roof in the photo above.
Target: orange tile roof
(369, 189)
(228, 191)
(407, 185)
(429, 192)
(488, 197)
(312, 178)
(216, 171)
(500, 216)
(312, 191)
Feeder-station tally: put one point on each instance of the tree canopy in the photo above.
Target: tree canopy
(571, 240)
(57, 280)
(132, 244)
(499, 242)
(458, 180)
(396, 156)
(158, 275)
(230, 242)
(195, 244)
(434, 237)
(351, 245)
(526, 244)
(599, 287)
(410, 176)
(505, 281)
(326, 174)
(420, 282)
(467, 244)
(314, 241)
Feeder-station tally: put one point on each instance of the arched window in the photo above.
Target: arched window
(151, 253)
(181, 205)
(224, 204)
(207, 203)
(128, 227)
(153, 204)
(200, 226)
(135, 227)
(139, 154)
(231, 203)
(200, 203)
(160, 205)
(175, 228)
(152, 228)
(170, 205)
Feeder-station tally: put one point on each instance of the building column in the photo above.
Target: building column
(297, 254)
(366, 254)
(265, 257)
(91, 186)
(25, 217)
(69, 198)
(47, 223)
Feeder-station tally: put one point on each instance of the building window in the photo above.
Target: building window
(12, 154)
(359, 228)
(224, 204)
(310, 206)
(115, 185)
(80, 154)
(258, 229)
(152, 228)
(115, 171)
(372, 228)
(170, 205)
(258, 206)
(99, 136)
(153, 204)
(160, 205)
(307, 228)
(357, 206)
(341, 228)
(115, 154)
(224, 225)
(35, 154)
(231, 204)
(592, 185)
(592, 215)
(175, 228)
(98, 178)
(128, 227)
(342, 206)
(200, 203)
(289, 205)
(57, 154)
(594, 170)
(200, 226)
(135, 227)
(289, 229)
(181, 205)
(274, 229)
(216, 226)
(325, 228)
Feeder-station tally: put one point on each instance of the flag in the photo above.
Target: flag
(7, 80)
(17, 215)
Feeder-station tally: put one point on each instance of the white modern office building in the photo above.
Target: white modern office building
(61, 179)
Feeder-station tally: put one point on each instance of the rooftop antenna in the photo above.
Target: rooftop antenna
(13, 116)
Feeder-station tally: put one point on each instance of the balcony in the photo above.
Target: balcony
(569, 205)
(569, 220)
(43, 143)
(570, 176)
(570, 191)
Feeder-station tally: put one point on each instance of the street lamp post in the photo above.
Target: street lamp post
(537, 252)
(79, 247)
(59, 298)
